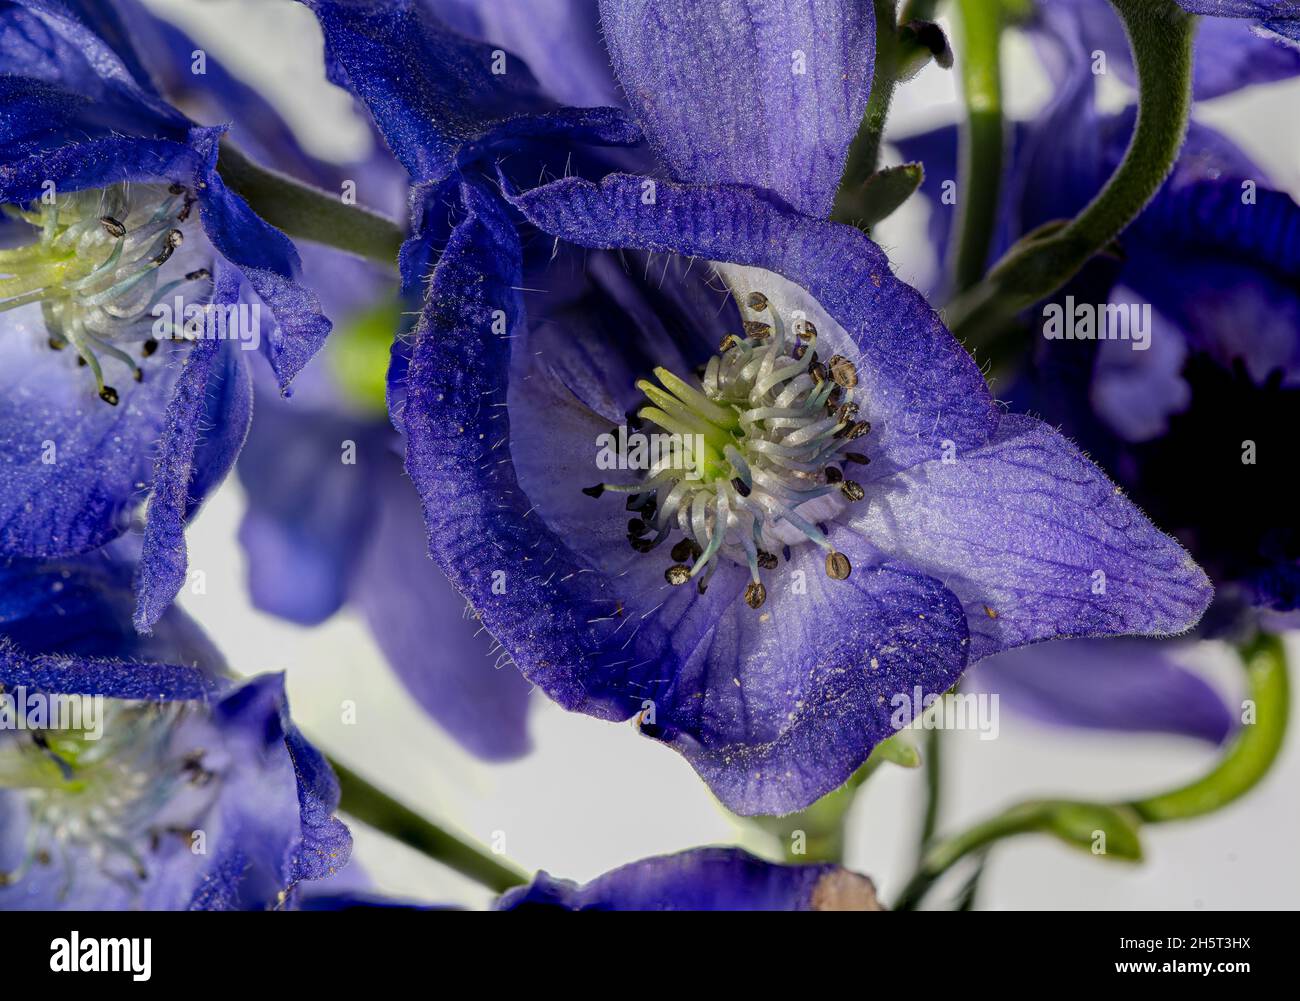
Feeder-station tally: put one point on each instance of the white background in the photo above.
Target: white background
(594, 795)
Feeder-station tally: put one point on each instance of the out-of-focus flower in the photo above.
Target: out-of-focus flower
(150, 779)
(1231, 53)
(704, 879)
(1126, 685)
(129, 257)
(865, 519)
(1190, 407)
(333, 519)
(1279, 16)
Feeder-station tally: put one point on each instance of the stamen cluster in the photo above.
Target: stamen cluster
(95, 268)
(775, 425)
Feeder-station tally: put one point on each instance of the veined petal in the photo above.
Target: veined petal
(438, 97)
(82, 45)
(82, 608)
(1036, 542)
(778, 708)
(75, 469)
(767, 93)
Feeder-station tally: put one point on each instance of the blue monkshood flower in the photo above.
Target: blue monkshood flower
(703, 879)
(1193, 415)
(1279, 16)
(1202, 386)
(857, 517)
(1123, 685)
(1230, 53)
(135, 773)
(332, 517)
(129, 257)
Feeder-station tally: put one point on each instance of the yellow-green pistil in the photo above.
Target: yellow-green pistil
(96, 792)
(94, 268)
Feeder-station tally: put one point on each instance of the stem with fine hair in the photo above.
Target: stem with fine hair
(1160, 33)
(1243, 765)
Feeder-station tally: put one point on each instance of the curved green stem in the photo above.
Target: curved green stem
(1160, 33)
(1243, 765)
(1074, 822)
(376, 808)
(983, 138)
(1253, 750)
(307, 213)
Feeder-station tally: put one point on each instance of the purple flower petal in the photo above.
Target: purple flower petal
(82, 607)
(438, 97)
(559, 40)
(184, 468)
(268, 260)
(1230, 53)
(1037, 543)
(310, 516)
(74, 467)
(81, 45)
(768, 94)
(1126, 685)
(446, 658)
(774, 710)
(703, 879)
(1243, 8)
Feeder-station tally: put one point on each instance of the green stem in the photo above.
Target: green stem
(376, 808)
(1242, 767)
(983, 138)
(1160, 33)
(933, 787)
(307, 213)
(918, 10)
(864, 152)
(1253, 750)
(1071, 821)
